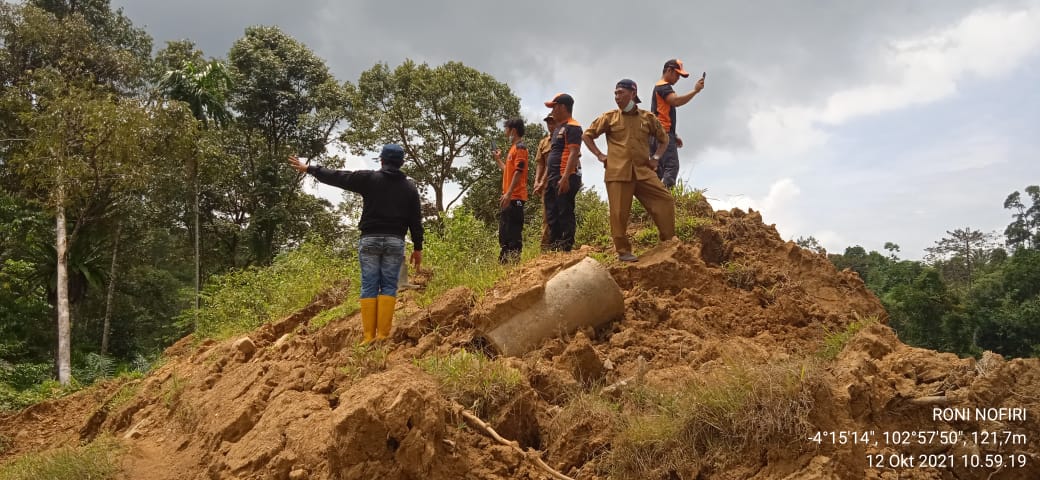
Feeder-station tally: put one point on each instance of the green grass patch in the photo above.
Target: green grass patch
(713, 419)
(365, 360)
(345, 309)
(172, 390)
(686, 226)
(463, 251)
(12, 399)
(126, 392)
(472, 379)
(835, 340)
(739, 274)
(98, 460)
(647, 237)
(689, 201)
(242, 300)
(583, 407)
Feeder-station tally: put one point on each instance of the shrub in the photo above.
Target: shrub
(12, 399)
(593, 217)
(836, 340)
(739, 274)
(94, 367)
(462, 252)
(242, 300)
(21, 376)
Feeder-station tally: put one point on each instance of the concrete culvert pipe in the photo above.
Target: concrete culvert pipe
(584, 295)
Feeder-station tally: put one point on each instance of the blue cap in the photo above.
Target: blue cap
(392, 153)
(629, 84)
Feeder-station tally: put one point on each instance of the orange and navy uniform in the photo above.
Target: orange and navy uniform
(565, 137)
(516, 164)
(659, 106)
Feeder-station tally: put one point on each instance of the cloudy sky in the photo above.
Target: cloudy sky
(857, 122)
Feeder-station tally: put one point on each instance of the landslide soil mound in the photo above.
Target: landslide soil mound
(293, 401)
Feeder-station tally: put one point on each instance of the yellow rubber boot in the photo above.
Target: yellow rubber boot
(386, 316)
(368, 318)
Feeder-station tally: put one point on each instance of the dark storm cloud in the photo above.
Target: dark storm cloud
(755, 52)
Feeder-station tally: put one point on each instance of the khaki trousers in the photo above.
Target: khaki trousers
(654, 197)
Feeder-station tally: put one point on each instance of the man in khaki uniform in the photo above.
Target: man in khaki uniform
(628, 169)
(541, 160)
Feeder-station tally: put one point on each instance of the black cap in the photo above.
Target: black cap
(392, 154)
(629, 84)
(561, 98)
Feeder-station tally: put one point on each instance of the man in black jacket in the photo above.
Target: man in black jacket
(390, 207)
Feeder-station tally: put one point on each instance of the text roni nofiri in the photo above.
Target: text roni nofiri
(950, 414)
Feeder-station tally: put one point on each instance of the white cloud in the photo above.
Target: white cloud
(785, 130)
(832, 241)
(777, 206)
(780, 206)
(918, 70)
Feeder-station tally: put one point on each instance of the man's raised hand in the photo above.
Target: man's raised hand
(297, 165)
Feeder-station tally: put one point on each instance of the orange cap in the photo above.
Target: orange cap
(677, 65)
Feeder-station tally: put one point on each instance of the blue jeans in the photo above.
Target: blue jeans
(381, 257)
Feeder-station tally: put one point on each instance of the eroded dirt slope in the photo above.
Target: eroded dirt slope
(295, 401)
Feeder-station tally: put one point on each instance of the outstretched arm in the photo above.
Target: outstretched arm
(677, 100)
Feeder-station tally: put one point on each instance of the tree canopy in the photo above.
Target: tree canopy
(445, 118)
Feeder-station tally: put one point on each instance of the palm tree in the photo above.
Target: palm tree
(204, 88)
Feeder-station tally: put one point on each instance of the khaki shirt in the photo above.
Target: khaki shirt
(628, 143)
(541, 156)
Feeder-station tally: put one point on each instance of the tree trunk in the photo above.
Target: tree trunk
(64, 325)
(967, 258)
(109, 300)
(195, 174)
(438, 195)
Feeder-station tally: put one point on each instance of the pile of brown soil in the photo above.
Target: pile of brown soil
(292, 401)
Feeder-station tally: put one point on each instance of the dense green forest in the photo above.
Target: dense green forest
(974, 291)
(145, 196)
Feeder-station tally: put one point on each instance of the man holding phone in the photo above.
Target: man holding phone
(664, 103)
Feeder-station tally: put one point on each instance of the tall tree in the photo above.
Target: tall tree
(444, 117)
(66, 70)
(810, 243)
(204, 89)
(287, 102)
(961, 253)
(82, 154)
(114, 55)
(1024, 231)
